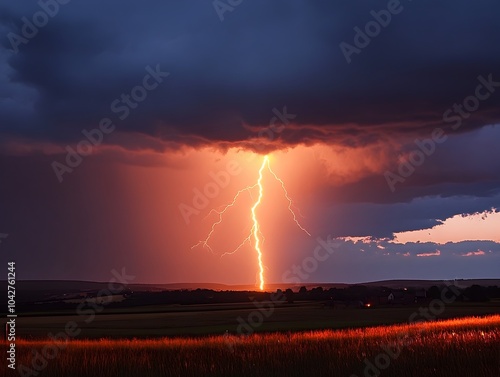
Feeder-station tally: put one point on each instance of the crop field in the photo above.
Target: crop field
(458, 347)
(203, 320)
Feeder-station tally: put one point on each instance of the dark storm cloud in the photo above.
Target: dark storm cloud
(264, 55)
(382, 220)
(461, 177)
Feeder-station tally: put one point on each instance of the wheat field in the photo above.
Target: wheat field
(458, 347)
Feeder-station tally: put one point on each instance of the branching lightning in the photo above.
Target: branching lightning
(255, 232)
(290, 203)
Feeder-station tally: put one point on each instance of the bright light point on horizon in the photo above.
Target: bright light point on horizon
(255, 232)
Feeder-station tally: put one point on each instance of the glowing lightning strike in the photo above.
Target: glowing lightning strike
(288, 198)
(205, 241)
(255, 231)
(256, 227)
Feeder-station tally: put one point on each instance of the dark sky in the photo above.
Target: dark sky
(355, 120)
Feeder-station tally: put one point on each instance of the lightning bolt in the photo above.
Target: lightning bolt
(256, 226)
(290, 203)
(255, 232)
(204, 242)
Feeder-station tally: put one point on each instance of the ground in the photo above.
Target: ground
(180, 320)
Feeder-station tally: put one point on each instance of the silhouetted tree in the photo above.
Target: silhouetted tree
(434, 292)
(476, 293)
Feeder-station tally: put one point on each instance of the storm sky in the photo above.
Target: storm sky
(381, 118)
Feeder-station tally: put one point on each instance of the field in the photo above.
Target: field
(198, 320)
(458, 347)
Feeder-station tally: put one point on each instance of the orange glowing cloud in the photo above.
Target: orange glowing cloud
(474, 253)
(434, 254)
(474, 227)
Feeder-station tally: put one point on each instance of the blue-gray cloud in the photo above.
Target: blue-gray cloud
(226, 74)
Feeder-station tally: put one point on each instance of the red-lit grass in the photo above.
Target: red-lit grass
(458, 347)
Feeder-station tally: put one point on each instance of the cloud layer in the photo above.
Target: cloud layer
(231, 74)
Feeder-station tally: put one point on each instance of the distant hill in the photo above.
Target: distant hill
(395, 284)
(30, 290)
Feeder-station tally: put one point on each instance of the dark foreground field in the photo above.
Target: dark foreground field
(200, 320)
(459, 347)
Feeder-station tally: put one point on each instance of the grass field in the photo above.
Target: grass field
(459, 347)
(194, 320)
